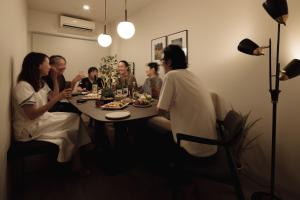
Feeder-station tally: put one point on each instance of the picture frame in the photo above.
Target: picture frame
(179, 38)
(157, 48)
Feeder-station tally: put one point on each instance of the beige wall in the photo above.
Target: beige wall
(13, 47)
(80, 54)
(47, 22)
(80, 48)
(215, 29)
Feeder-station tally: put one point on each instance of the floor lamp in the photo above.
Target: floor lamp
(278, 10)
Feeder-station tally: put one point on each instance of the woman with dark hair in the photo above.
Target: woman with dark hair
(189, 103)
(153, 83)
(126, 77)
(32, 100)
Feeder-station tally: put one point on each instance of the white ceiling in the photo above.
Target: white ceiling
(115, 8)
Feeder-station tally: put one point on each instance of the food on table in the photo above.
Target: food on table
(127, 100)
(142, 101)
(119, 97)
(114, 105)
(91, 96)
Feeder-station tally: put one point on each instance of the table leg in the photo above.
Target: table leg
(101, 136)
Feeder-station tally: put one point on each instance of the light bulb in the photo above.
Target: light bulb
(104, 40)
(125, 29)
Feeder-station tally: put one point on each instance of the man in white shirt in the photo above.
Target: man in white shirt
(188, 101)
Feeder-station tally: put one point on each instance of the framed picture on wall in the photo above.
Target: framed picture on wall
(157, 48)
(180, 38)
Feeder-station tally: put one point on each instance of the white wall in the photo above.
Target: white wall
(215, 29)
(80, 48)
(80, 54)
(47, 22)
(13, 48)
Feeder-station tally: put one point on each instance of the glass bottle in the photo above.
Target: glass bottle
(125, 88)
(119, 87)
(95, 86)
(134, 92)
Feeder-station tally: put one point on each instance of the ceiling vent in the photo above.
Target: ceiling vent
(75, 23)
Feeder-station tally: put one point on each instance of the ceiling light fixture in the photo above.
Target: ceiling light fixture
(86, 7)
(125, 28)
(104, 39)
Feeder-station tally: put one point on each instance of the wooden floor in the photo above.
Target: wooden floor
(130, 181)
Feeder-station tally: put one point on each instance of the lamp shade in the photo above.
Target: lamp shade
(248, 46)
(277, 9)
(125, 29)
(291, 70)
(104, 40)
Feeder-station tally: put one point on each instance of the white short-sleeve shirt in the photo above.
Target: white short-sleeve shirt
(191, 109)
(24, 93)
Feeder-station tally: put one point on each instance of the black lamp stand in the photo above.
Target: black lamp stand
(274, 97)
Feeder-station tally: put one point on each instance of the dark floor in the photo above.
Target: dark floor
(112, 180)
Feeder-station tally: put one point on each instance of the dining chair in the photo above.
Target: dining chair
(17, 154)
(221, 167)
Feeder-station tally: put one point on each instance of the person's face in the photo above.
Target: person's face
(150, 71)
(44, 68)
(60, 66)
(93, 74)
(123, 70)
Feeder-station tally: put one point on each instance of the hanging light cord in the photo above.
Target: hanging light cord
(125, 10)
(105, 17)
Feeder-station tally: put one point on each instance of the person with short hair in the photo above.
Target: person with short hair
(188, 101)
(33, 99)
(58, 63)
(153, 83)
(87, 83)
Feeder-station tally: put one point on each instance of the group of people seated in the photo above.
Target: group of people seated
(39, 113)
(151, 86)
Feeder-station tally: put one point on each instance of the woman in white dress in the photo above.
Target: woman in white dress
(32, 100)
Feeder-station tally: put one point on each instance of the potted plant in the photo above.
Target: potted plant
(244, 141)
(108, 73)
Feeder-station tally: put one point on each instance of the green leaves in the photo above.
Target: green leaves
(108, 70)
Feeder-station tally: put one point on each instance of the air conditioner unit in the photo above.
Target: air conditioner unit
(75, 23)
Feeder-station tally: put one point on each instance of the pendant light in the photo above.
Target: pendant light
(104, 39)
(125, 29)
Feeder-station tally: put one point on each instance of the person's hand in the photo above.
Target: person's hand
(65, 93)
(78, 78)
(53, 73)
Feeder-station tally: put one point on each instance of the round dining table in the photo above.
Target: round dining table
(136, 113)
(135, 124)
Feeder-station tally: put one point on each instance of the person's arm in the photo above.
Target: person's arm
(32, 112)
(156, 88)
(54, 77)
(76, 79)
(167, 96)
(161, 111)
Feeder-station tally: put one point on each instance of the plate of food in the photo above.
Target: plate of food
(119, 97)
(115, 105)
(91, 96)
(127, 100)
(142, 103)
(79, 93)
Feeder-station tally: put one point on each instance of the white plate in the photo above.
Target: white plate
(117, 115)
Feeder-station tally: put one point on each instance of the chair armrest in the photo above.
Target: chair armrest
(181, 136)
